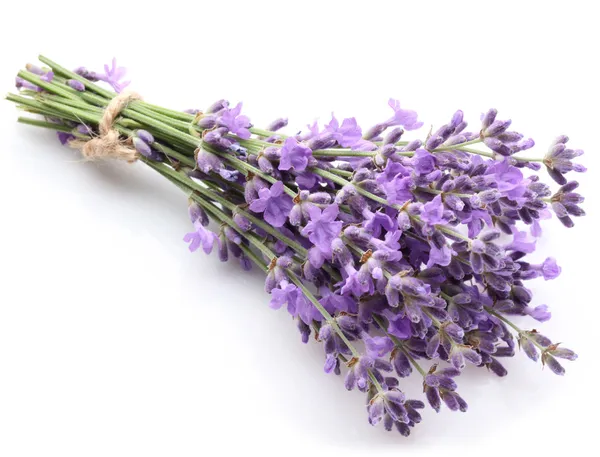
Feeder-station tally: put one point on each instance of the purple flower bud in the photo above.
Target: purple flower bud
(207, 161)
(324, 141)
(207, 122)
(76, 84)
(341, 253)
(222, 248)
(457, 119)
(217, 106)
(509, 137)
(497, 368)
(393, 136)
(563, 353)
(89, 75)
(145, 136)
(529, 348)
(497, 146)
(455, 139)
(214, 136)
(433, 398)
(374, 131)
(412, 146)
(142, 147)
(553, 364)
(34, 69)
(196, 213)
(265, 165)
(23, 84)
(84, 130)
(232, 235)
(496, 128)
(242, 222)
(488, 118)
(433, 142)
(277, 124)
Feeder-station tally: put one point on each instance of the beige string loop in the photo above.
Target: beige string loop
(108, 145)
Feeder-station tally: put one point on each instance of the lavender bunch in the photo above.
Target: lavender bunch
(402, 257)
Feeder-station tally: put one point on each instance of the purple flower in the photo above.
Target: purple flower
(352, 283)
(200, 237)
(313, 131)
(377, 222)
(297, 303)
(399, 326)
(286, 293)
(333, 302)
(423, 161)
(235, 122)
(550, 269)
(349, 134)
(508, 179)
(439, 256)
(397, 183)
(520, 243)
(403, 117)
(475, 222)
(377, 346)
(274, 203)
(323, 228)
(539, 313)
(294, 155)
(113, 75)
(432, 213)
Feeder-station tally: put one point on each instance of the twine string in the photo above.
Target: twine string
(108, 144)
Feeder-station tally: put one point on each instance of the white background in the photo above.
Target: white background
(115, 340)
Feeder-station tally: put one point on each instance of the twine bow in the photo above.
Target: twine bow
(108, 144)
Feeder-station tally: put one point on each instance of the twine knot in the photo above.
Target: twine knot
(108, 144)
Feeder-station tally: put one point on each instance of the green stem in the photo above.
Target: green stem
(456, 146)
(267, 133)
(429, 190)
(44, 124)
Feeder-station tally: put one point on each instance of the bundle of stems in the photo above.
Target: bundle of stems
(396, 254)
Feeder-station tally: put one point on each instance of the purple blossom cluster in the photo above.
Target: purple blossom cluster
(402, 257)
(417, 248)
